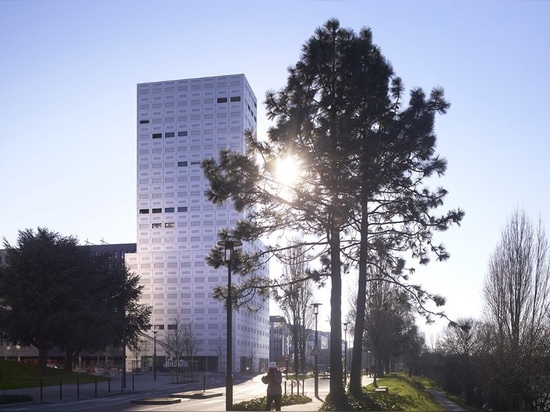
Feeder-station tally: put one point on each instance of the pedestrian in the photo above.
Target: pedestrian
(273, 380)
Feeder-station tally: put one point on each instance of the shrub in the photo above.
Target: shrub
(5, 399)
(258, 404)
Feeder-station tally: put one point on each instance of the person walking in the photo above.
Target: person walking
(273, 380)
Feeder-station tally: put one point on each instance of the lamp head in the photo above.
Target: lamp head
(229, 246)
(316, 308)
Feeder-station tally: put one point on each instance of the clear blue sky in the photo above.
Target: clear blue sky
(68, 86)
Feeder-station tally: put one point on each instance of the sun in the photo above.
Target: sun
(288, 171)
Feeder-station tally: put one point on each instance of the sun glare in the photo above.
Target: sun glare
(288, 171)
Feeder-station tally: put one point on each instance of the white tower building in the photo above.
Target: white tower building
(180, 123)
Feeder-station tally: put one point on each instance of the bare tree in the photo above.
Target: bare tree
(182, 343)
(461, 343)
(191, 343)
(517, 307)
(460, 338)
(517, 285)
(389, 323)
(141, 346)
(294, 293)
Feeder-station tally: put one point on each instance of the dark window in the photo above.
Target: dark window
(169, 210)
(195, 163)
(235, 98)
(143, 211)
(156, 225)
(169, 134)
(144, 122)
(157, 135)
(172, 327)
(182, 164)
(169, 225)
(157, 210)
(183, 133)
(182, 209)
(222, 99)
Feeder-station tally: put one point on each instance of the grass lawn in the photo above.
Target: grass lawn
(14, 375)
(404, 394)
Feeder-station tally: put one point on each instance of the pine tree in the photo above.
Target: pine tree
(358, 197)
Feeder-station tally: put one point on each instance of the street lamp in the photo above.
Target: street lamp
(155, 355)
(316, 350)
(345, 353)
(229, 246)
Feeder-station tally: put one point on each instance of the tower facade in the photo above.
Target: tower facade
(180, 123)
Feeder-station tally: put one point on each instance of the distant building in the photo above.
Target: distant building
(279, 340)
(180, 123)
(117, 250)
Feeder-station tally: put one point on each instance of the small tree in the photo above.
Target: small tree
(140, 347)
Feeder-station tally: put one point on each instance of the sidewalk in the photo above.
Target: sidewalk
(444, 401)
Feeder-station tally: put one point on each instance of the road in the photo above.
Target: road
(245, 388)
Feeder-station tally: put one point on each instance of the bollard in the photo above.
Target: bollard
(60, 390)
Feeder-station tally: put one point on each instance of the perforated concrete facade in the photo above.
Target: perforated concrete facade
(180, 123)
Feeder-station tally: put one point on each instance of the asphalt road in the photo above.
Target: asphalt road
(245, 387)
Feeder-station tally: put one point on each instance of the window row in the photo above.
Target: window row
(166, 210)
(167, 225)
(183, 103)
(232, 99)
(182, 133)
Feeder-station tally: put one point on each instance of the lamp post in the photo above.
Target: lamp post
(316, 350)
(345, 353)
(155, 355)
(229, 246)
(296, 344)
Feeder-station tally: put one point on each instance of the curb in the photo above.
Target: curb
(196, 395)
(156, 401)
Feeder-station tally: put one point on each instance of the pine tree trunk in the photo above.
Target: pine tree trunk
(355, 382)
(337, 390)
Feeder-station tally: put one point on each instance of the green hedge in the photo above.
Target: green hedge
(258, 404)
(4, 399)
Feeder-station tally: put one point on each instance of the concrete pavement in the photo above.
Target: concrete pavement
(444, 401)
